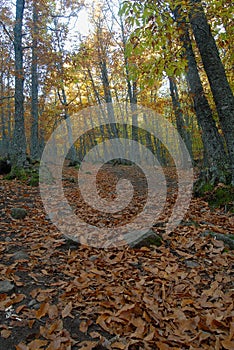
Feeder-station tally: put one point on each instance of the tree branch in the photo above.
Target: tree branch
(7, 32)
(6, 97)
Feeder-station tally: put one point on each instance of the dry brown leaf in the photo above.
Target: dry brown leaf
(84, 325)
(53, 312)
(37, 344)
(228, 344)
(42, 311)
(67, 310)
(5, 333)
(118, 345)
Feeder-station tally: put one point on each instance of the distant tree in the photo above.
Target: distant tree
(34, 141)
(18, 145)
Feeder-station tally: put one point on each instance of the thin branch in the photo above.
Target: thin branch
(6, 97)
(7, 32)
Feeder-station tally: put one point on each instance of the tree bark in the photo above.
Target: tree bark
(18, 147)
(211, 138)
(222, 94)
(180, 124)
(72, 155)
(34, 145)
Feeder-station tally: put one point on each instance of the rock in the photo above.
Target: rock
(32, 303)
(36, 306)
(191, 263)
(20, 255)
(93, 257)
(18, 213)
(8, 239)
(227, 239)
(138, 239)
(6, 286)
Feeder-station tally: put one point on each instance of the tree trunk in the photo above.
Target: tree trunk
(222, 94)
(72, 156)
(3, 141)
(179, 116)
(131, 87)
(18, 147)
(34, 146)
(211, 138)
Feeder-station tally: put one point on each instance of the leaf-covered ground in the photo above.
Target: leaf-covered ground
(177, 296)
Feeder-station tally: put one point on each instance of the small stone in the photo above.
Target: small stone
(93, 257)
(20, 255)
(8, 239)
(6, 286)
(18, 213)
(36, 306)
(32, 303)
(191, 263)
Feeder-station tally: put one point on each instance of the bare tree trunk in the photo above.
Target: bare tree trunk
(180, 123)
(222, 94)
(3, 141)
(72, 151)
(34, 145)
(18, 147)
(211, 138)
(131, 87)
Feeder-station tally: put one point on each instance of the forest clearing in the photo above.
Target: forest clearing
(116, 175)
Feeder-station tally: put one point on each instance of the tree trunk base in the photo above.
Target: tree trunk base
(216, 188)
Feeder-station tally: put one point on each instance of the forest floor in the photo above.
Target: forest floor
(68, 296)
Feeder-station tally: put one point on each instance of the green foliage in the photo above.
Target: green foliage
(33, 179)
(17, 173)
(155, 41)
(220, 196)
(206, 188)
(29, 176)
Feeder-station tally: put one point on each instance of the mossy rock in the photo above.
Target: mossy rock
(18, 213)
(139, 239)
(210, 178)
(222, 196)
(30, 175)
(17, 173)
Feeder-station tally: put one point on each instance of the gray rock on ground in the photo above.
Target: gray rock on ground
(18, 213)
(139, 239)
(6, 286)
(20, 255)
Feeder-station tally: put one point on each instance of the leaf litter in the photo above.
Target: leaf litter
(68, 296)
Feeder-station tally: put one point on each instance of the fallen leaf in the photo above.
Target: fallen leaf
(42, 311)
(228, 344)
(5, 333)
(67, 310)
